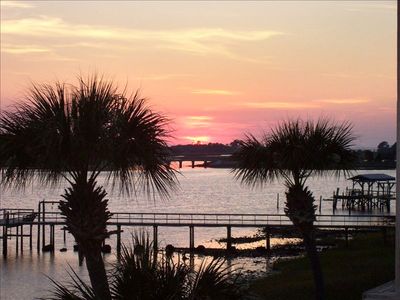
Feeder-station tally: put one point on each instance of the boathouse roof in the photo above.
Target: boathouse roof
(372, 178)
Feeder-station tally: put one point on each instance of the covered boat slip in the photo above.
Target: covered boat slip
(368, 192)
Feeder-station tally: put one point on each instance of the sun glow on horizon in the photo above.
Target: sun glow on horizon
(198, 139)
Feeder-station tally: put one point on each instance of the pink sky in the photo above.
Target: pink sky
(217, 69)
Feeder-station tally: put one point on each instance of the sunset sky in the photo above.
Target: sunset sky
(218, 70)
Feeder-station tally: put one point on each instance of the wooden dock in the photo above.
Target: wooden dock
(368, 192)
(52, 219)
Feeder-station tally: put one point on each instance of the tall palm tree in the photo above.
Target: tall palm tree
(294, 151)
(74, 133)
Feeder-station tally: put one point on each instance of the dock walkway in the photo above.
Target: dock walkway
(41, 219)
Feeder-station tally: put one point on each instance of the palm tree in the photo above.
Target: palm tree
(294, 151)
(140, 274)
(74, 133)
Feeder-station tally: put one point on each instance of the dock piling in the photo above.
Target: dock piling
(30, 236)
(5, 234)
(191, 238)
(22, 238)
(119, 241)
(268, 239)
(228, 238)
(155, 238)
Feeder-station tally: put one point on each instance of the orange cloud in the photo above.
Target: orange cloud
(344, 101)
(197, 121)
(215, 92)
(281, 105)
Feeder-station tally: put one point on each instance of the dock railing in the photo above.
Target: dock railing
(223, 219)
(16, 216)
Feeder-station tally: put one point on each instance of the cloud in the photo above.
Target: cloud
(24, 49)
(199, 41)
(344, 101)
(280, 105)
(214, 92)
(163, 76)
(198, 121)
(365, 6)
(15, 4)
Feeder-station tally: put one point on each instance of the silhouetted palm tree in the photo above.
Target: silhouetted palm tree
(75, 133)
(140, 275)
(294, 151)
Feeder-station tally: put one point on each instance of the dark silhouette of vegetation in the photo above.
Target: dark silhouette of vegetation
(140, 275)
(74, 133)
(294, 151)
(210, 149)
(383, 157)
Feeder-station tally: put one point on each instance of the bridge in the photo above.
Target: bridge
(206, 159)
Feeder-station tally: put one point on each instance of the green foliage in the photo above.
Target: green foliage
(142, 275)
(365, 264)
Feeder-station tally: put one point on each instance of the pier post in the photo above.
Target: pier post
(205, 164)
(228, 238)
(320, 203)
(52, 234)
(43, 226)
(267, 239)
(16, 239)
(22, 238)
(155, 238)
(38, 229)
(30, 237)
(191, 238)
(192, 164)
(119, 241)
(180, 164)
(277, 201)
(64, 234)
(5, 234)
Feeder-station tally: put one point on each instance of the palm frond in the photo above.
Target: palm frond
(256, 162)
(76, 289)
(64, 129)
(215, 280)
(296, 149)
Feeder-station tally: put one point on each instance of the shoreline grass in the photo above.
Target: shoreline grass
(366, 263)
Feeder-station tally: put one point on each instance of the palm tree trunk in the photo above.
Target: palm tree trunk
(86, 214)
(311, 248)
(97, 274)
(300, 209)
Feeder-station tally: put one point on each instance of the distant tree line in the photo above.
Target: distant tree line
(383, 156)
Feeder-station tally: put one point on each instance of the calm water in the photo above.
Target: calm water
(22, 276)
